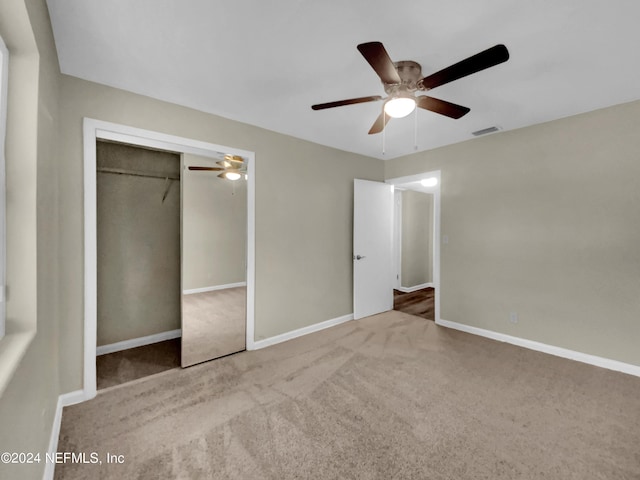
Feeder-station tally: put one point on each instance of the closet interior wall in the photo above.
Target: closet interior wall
(138, 230)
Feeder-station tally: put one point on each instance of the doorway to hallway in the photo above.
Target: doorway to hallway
(416, 240)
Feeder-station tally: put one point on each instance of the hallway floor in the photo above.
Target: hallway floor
(419, 303)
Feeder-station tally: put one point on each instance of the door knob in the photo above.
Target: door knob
(359, 257)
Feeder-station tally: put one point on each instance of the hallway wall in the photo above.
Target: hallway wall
(417, 238)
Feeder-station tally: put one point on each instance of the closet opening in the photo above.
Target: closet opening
(206, 178)
(138, 262)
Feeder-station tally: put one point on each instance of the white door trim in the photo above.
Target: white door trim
(97, 129)
(397, 239)
(436, 228)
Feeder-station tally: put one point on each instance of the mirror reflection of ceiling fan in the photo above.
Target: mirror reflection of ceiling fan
(233, 167)
(403, 79)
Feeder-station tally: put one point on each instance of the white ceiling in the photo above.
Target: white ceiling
(265, 63)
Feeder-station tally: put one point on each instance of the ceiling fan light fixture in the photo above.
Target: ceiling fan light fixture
(232, 176)
(399, 107)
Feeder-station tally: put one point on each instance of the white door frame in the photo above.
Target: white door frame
(397, 237)
(436, 228)
(97, 129)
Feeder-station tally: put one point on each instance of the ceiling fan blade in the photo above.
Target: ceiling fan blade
(380, 123)
(378, 58)
(442, 107)
(211, 169)
(485, 59)
(231, 161)
(351, 101)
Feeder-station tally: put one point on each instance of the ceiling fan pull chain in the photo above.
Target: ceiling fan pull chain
(415, 130)
(384, 122)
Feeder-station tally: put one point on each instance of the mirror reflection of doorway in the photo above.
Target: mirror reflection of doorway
(414, 239)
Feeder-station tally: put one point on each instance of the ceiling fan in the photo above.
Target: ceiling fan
(402, 79)
(233, 167)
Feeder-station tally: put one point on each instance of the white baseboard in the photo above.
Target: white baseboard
(414, 288)
(214, 287)
(64, 400)
(301, 331)
(545, 348)
(138, 342)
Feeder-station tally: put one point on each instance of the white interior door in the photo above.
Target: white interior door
(372, 248)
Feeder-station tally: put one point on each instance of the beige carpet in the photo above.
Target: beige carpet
(389, 397)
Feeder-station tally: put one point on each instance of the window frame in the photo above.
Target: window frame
(4, 79)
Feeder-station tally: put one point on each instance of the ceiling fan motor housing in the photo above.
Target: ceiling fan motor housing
(410, 73)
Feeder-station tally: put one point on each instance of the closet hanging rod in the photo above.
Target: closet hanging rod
(137, 173)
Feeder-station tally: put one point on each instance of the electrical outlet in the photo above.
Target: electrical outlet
(513, 317)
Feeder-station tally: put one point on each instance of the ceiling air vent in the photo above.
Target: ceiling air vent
(484, 131)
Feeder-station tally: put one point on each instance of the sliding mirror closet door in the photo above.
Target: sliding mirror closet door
(214, 257)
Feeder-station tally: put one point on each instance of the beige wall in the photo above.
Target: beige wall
(138, 244)
(417, 241)
(304, 203)
(28, 404)
(214, 227)
(543, 221)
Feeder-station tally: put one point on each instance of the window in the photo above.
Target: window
(4, 75)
